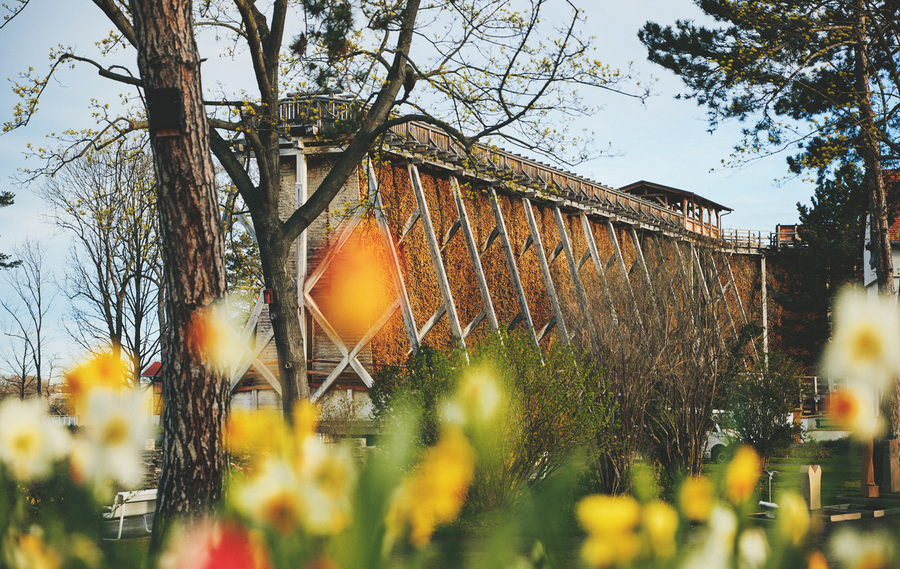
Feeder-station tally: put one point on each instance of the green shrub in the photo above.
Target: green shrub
(556, 406)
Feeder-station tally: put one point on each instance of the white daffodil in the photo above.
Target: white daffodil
(753, 549)
(115, 430)
(29, 442)
(865, 346)
(272, 497)
(875, 548)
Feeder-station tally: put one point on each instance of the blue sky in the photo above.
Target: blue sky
(663, 140)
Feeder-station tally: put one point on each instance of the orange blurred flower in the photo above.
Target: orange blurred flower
(210, 337)
(851, 408)
(356, 288)
(742, 475)
(817, 561)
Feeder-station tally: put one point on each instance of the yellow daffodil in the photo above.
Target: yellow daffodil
(255, 433)
(104, 371)
(816, 560)
(742, 475)
(272, 497)
(435, 492)
(611, 523)
(793, 518)
(660, 522)
(696, 498)
(608, 514)
(31, 552)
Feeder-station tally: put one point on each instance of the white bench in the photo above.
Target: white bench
(132, 504)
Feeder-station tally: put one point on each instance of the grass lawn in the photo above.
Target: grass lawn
(840, 462)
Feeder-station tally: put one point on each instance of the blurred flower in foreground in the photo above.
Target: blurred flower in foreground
(864, 346)
(661, 523)
(103, 371)
(696, 498)
(753, 549)
(305, 485)
(272, 497)
(816, 560)
(255, 433)
(112, 439)
(29, 551)
(853, 408)
(742, 475)
(476, 402)
(29, 442)
(793, 518)
(435, 492)
(718, 542)
(611, 523)
(211, 338)
(873, 550)
(215, 545)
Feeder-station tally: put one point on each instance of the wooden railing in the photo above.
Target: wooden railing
(748, 238)
(317, 115)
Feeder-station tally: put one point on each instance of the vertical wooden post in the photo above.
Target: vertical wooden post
(765, 308)
(301, 187)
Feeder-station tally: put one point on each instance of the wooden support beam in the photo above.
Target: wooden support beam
(387, 240)
(617, 252)
(642, 263)
(490, 240)
(474, 257)
(429, 324)
(241, 369)
(408, 226)
(449, 235)
(598, 266)
(348, 356)
(714, 274)
(351, 358)
(661, 262)
(737, 296)
(545, 270)
(566, 246)
(505, 243)
(436, 260)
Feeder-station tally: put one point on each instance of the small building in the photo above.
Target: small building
(699, 214)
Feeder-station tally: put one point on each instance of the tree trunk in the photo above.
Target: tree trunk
(195, 394)
(284, 313)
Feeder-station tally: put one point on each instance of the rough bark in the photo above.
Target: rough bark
(195, 394)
